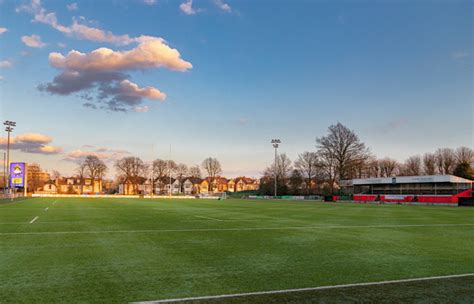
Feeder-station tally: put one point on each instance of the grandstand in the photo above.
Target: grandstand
(431, 189)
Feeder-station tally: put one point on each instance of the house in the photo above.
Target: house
(246, 184)
(191, 185)
(204, 186)
(50, 187)
(77, 185)
(145, 187)
(162, 185)
(36, 177)
(216, 185)
(231, 185)
(219, 184)
(142, 186)
(176, 187)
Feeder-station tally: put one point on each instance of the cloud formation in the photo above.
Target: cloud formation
(101, 74)
(139, 109)
(460, 55)
(5, 64)
(100, 77)
(3, 30)
(187, 7)
(76, 29)
(152, 52)
(33, 41)
(103, 153)
(223, 6)
(72, 7)
(31, 143)
(149, 2)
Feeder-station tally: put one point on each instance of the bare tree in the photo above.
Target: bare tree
(445, 160)
(307, 164)
(388, 167)
(81, 171)
(373, 167)
(344, 146)
(34, 181)
(281, 169)
(328, 166)
(161, 169)
(55, 175)
(181, 172)
(465, 155)
(429, 164)
(195, 171)
(212, 167)
(295, 181)
(131, 169)
(96, 168)
(412, 165)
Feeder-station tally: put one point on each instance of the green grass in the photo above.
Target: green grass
(123, 250)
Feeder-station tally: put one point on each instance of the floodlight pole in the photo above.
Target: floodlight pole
(4, 171)
(9, 128)
(169, 172)
(275, 143)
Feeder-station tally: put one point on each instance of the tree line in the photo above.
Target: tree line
(133, 170)
(341, 155)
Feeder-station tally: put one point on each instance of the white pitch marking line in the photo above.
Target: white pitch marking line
(308, 289)
(33, 220)
(232, 229)
(208, 218)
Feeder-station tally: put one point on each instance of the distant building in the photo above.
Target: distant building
(77, 185)
(419, 189)
(50, 187)
(36, 177)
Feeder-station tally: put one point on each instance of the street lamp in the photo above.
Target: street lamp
(10, 125)
(275, 143)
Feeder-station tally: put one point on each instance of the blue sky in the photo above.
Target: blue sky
(399, 73)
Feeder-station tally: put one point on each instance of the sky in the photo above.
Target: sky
(221, 78)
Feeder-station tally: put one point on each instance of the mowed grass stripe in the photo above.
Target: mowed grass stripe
(233, 229)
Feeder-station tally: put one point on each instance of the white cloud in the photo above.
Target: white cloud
(187, 7)
(223, 6)
(105, 154)
(3, 30)
(31, 143)
(76, 29)
(102, 71)
(139, 109)
(33, 41)
(150, 53)
(61, 45)
(72, 7)
(1, 78)
(149, 2)
(130, 89)
(5, 64)
(34, 137)
(460, 55)
(100, 75)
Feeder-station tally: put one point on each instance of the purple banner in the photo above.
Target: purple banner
(17, 174)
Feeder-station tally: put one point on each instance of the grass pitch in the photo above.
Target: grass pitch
(126, 250)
